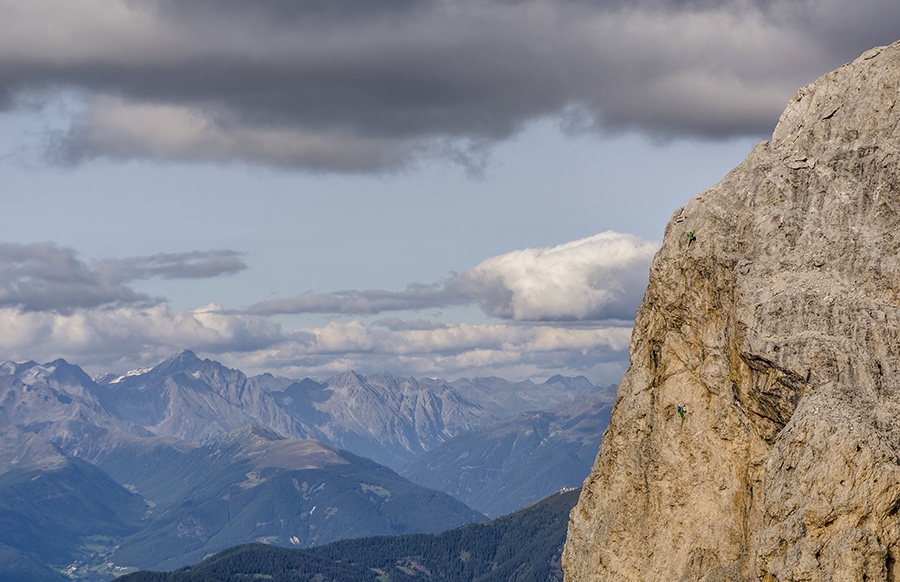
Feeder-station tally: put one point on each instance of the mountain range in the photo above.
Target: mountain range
(153, 505)
(388, 419)
(159, 467)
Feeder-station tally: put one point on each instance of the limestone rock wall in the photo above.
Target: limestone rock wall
(777, 329)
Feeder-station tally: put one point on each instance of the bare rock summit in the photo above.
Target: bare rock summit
(756, 435)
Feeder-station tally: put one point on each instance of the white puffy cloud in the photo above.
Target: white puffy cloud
(596, 278)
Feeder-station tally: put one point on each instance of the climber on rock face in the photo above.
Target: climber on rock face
(681, 410)
(690, 236)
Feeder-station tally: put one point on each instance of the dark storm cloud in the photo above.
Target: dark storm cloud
(365, 86)
(48, 277)
(288, 12)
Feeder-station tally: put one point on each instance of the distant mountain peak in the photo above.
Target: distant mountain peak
(185, 356)
(60, 373)
(179, 362)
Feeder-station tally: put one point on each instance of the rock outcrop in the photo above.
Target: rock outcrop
(756, 435)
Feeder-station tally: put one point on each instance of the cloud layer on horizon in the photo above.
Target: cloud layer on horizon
(127, 337)
(565, 309)
(347, 86)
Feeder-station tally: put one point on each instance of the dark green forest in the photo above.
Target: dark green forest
(524, 546)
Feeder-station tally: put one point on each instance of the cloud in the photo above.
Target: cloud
(135, 130)
(48, 277)
(189, 265)
(376, 86)
(504, 349)
(134, 334)
(597, 278)
(127, 337)
(453, 350)
(398, 324)
(44, 276)
(371, 301)
(558, 307)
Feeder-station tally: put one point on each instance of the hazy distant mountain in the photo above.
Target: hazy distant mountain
(59, 402)
(192, 399)
(172, 506)
(386, 418)
(254, 485)
(503, 398)
(52, 503)
(392, 420)
(524, 546)
(382, 417)
(520, 459)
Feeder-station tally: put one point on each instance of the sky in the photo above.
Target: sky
(428, 188)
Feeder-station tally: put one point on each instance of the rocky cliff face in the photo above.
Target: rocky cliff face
(776, 329)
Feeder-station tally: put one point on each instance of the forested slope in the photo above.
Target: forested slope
(524, 547)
